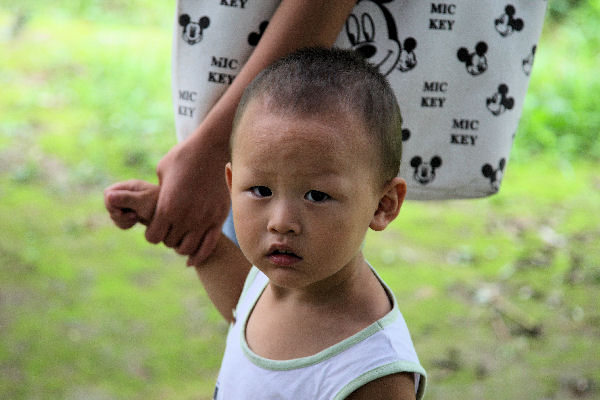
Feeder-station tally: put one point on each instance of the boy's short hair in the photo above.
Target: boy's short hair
(314, 80)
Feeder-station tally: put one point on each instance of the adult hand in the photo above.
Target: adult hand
(193, 201)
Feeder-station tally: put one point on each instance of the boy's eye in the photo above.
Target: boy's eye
(316, 196)
(261, 191)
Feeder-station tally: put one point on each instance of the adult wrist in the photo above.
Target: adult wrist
(208, 137)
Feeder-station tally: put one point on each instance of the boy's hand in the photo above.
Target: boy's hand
(130, 202)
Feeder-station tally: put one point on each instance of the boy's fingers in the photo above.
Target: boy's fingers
(111, 209)
(123, 199)
(124, 220)
(130, 194)
(124, 225)
(134, 185)
(109, 193)
(130, 202)
(139, 202)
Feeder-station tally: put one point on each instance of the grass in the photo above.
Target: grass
(560, 113)
(533, 247)
(88, 311)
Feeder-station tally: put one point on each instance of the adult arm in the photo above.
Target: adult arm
(193, 200)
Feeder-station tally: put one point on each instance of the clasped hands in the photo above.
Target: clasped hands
(186, 210)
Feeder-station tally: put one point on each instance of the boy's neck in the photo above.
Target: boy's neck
(353, 282)
(288, 324)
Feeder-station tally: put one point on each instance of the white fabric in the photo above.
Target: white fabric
(460, 71)
(383, 348)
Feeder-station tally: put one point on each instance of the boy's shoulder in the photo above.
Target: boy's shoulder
(389, 387)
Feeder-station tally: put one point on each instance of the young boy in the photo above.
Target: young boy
(315, 153)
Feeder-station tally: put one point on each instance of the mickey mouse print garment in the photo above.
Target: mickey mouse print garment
(460, 71)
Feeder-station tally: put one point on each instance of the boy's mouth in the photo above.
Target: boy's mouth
(283, 256)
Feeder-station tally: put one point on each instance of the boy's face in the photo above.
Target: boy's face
(304, 191)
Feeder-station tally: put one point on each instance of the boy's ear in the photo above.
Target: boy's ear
(389, 204)
(228, 175)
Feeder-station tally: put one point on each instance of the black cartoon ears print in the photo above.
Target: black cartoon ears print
(424, 172)
(500, 102)
(255, 37)
(506, 24)
(405, 134)
(494, 175)
(475, 62)
(192, 31)
(408, 59)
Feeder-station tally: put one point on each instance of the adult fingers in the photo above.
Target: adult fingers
(159, 226)
(206, 248)
(174, 237)
(190, 244)
(157, 230)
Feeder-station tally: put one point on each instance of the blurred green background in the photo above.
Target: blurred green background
(501, 294)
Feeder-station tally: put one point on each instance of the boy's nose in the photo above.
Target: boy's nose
(284, 219)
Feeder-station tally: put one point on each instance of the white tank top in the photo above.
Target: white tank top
(381, 349)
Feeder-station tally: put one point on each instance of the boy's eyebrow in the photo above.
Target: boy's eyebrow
(328, 172)
(333, 175)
